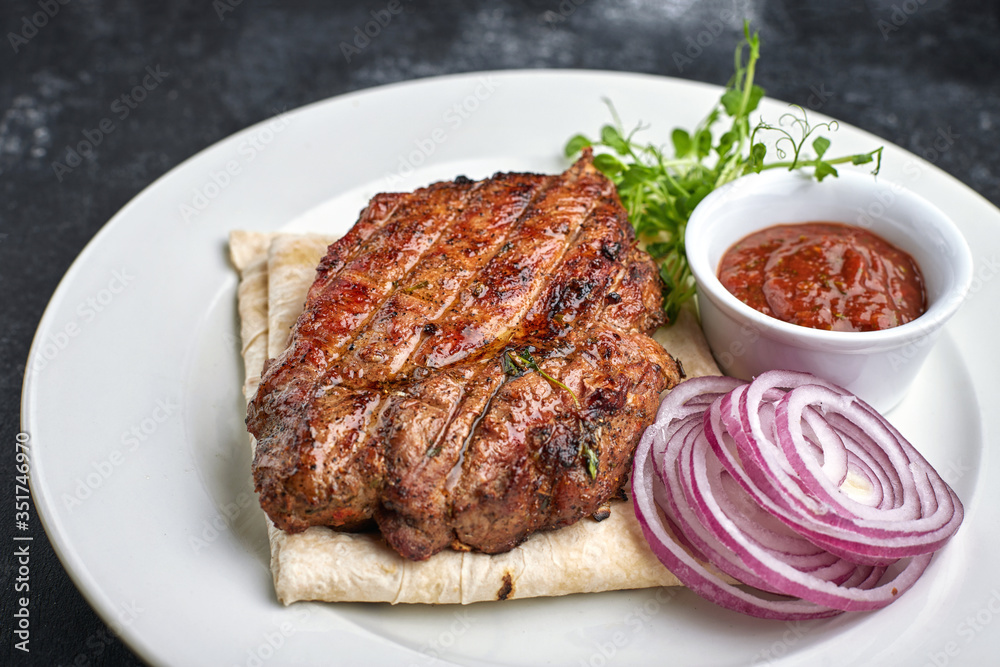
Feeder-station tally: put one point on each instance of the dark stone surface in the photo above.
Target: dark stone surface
(906, 71)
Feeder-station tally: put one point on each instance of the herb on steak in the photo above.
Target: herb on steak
(660, 192)
(516, 364)
(523, 361)
(590, 459)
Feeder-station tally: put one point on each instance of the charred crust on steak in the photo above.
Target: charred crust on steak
(392, 402)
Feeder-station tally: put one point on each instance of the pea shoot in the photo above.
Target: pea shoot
(660, 192)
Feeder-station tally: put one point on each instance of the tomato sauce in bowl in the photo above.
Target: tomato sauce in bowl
(825, 275)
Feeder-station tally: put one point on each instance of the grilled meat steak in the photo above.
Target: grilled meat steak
(472, 365)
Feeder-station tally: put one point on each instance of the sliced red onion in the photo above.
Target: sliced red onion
(790, 485)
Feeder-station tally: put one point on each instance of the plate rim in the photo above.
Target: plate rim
(74, 566)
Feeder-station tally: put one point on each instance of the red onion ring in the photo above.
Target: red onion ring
(793, 486)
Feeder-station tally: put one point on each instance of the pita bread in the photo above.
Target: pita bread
(322, 564)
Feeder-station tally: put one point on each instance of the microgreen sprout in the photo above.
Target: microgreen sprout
(659, 192)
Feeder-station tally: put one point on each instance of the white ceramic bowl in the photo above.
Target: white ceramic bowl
(878, 366)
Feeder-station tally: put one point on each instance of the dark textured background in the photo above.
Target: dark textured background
(909, 71)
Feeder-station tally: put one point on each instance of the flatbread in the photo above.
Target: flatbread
(276, 271)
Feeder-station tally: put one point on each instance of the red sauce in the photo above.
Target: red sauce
(825, 275)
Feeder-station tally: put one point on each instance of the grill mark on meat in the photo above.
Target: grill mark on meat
(293, 386)
(453, 476)
(355, 294)
(509, 283)
(561, 442)
(357, 425)
(288, 382)
(300, 352)
(432, 534)
(340, 456)
(384, 346)
(367, 281)
(503, 452)
(543, 316)
(379, 210)
(587, 275)
(409, 428)
(375, 217)
(509, 463)
(414, 542)
(420, 527)
(565, 495)
(472, 285)
(637, 290)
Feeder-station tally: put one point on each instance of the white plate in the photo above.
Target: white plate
(140, 462)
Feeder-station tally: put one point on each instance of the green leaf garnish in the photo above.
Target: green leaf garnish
(590, 459)
(610, 136)
(757, 153)
(659, 191)
(824, 169)
(609, 164)
(576, 144)
(682, 142)
(523, 361)
(509, 369)
(731, 101)
(423, 284)
(820, 144)
(659, 250)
